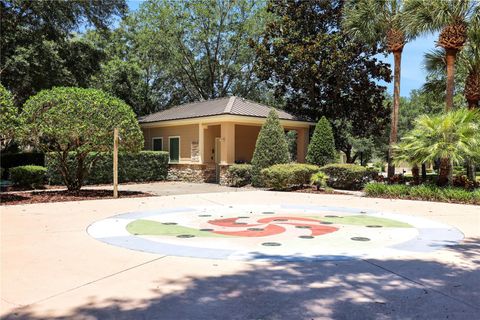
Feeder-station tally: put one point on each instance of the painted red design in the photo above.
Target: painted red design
(270, 226)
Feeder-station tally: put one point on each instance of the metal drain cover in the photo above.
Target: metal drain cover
(271, 244)
(360, 239)
(306, 237)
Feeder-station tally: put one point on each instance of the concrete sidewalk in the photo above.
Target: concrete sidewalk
(52, 269)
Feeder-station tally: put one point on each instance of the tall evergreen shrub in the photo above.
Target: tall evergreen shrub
(321, 150)
(271, 147)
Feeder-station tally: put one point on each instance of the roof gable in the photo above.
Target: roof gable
(221, 106)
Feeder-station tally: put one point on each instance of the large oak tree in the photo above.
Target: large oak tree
(318, 70)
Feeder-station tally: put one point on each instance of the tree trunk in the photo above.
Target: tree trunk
(451, 55)
(444, 172)
(472, 104)
(471, 170)
(397, 55)
(416, 174)
(424, 172)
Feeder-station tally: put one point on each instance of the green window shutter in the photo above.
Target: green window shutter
(174, 149)
(157, 145)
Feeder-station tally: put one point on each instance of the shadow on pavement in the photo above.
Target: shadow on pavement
(361, 289)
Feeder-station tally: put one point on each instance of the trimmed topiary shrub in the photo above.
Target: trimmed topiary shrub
(28, 176)
(348, 176)
(271, 147)
(284, 176)
(321, 150)
(132, 167)
(240, 175)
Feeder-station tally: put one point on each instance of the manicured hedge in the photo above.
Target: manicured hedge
(348, 176)
(10, 160)
(424, 192)
(132, 167)
(28, 176)
(284, 176)
(240, 175)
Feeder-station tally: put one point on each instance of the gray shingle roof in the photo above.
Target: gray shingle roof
(221, 106)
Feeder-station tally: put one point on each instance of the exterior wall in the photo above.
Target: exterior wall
(302, 143)
(245, 140)
(191, 173)
(187, 134)
(224, 176)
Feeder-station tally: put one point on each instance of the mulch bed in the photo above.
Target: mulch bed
(64, 195)
(312, 190)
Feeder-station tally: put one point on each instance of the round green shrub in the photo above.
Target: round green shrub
(348, 176)
(64, 120)
(28, 176)
(271, 147)
(284, 176)
(240, 175)
(321, 150)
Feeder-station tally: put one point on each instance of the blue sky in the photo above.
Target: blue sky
(412, 75)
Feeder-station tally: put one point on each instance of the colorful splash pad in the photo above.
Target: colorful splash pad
(283, 232)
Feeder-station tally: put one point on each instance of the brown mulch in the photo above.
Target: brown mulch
(314, 190)
(64, 195)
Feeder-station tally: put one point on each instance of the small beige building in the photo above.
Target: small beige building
(204, 138)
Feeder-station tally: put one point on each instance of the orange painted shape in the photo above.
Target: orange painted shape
(230, 222)
(269, 230)
(271, 219)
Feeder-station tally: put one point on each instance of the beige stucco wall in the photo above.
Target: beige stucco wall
(187, 134)
(245, 140)
(238, 136)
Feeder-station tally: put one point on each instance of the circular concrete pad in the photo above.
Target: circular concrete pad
(333, 233)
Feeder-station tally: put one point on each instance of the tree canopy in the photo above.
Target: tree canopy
(8, 117)
(320, 71)
(38, 48)
(64, 120)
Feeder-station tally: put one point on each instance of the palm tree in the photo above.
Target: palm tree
(470, 58)
(468, 69)
(452, 18)
(381, 22)
(452, 137)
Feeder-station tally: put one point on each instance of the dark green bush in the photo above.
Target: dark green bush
(284, 176)
(132, 167)
(321, 150)
(240, 175)
(425, 192)
(271, 147)
(348, 176)
(28, 176)
(10, 160)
